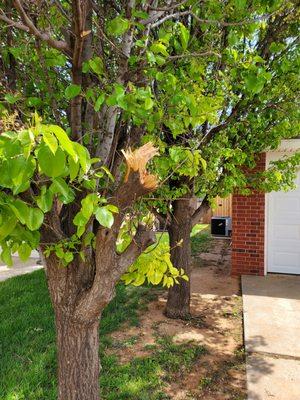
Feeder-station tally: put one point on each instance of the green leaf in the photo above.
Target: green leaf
(240, 4)
(96, 65)
(63, 139)
(11, 99)
(118, 26)
(148, 103)
(73, 168)
(80, 221)
(60, 187)
(108, 173)
(33, 101)
(112, 208)
(104, 217)
(50, 141)
(140, 279)
(6, 256)
(84, 157)
(68, 257)
(159, 48)
(184, 36)
(20, 210)
(156, 277)
(88, 205)
(9, 222)
(72, 91)
(254, 83)
(34, 218)
(45, 200)
(88, 238)
(99, 102)
(52, 165)
(59, 252)
(24, 251)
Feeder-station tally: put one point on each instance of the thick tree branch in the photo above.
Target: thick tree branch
(201, 211)
(105, 143)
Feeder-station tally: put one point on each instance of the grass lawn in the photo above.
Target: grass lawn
(28, 354)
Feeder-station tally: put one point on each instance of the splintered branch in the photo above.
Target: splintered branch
(136, 161)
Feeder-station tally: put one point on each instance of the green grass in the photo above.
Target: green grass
(145, 377)
(28, 353)
(200, 239)
(200, 228)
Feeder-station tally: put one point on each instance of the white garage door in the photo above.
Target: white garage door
(283, 228)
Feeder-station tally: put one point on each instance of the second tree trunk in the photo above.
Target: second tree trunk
(178, 304)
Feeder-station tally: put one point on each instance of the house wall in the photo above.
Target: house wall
(248, 230)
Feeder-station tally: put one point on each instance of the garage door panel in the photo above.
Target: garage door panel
(283, 258)
(286, 232)
(286, 204)
(283, 229)
(286, 219)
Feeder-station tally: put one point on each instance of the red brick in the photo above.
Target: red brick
(248, 221)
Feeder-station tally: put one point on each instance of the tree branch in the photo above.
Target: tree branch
(29, 27)
(142, 239)
(104, 146)
(201, 211)
(200, 20)
(171, 7)
(188, 55)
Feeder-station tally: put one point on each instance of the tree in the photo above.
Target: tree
(226, 108)
(84, 66)
(91, 70)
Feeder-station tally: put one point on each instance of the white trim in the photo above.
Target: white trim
(266, 229)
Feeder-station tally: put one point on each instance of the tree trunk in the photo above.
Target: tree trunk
(178, 304)
(78, 359)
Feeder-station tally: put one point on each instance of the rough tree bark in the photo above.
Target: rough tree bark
(78, 359)
(180, 226)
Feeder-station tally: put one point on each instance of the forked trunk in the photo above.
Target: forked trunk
(178, 304)
(78, 360)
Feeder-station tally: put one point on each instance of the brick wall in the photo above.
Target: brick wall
(248, 230)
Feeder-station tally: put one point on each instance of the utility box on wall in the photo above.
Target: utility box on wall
(221, 226)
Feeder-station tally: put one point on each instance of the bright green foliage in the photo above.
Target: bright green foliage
(154, 266)
(218, 111)
(91, 206)
(45, 157)
(72, 91)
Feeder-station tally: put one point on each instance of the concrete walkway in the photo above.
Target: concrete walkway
(272, 336)
(19, 267)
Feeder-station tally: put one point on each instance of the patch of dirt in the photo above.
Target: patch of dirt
(216, 323)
